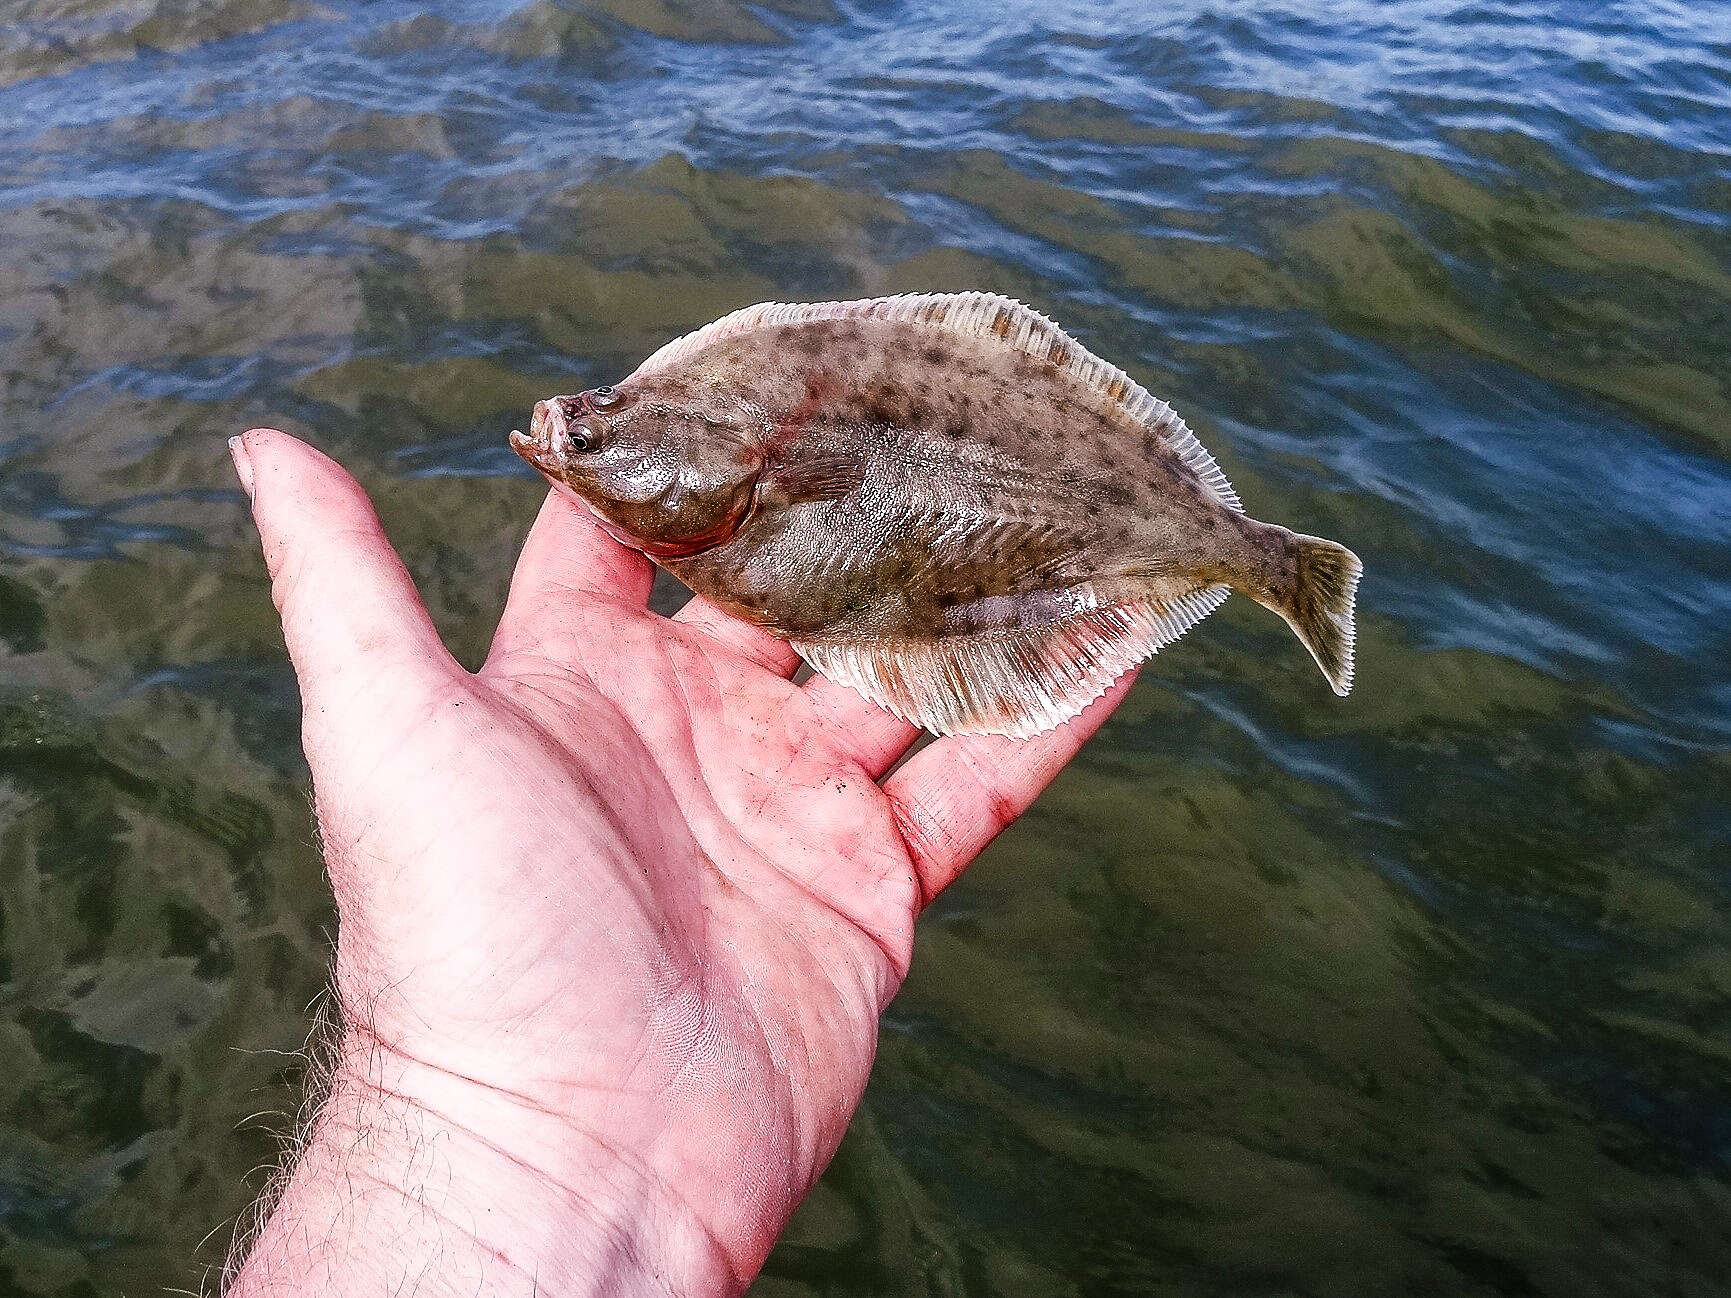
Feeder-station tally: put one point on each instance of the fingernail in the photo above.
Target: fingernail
(242, 464)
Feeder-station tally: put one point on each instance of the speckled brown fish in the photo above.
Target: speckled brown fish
(942, 500)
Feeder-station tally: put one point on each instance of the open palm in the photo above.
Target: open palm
(627, 902)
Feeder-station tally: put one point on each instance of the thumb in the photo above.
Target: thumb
(350, 612)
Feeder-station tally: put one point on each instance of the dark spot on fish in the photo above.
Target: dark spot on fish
(883, 405)
(936, 355)
(1001, 322)
(1116, 389)
(1059, 354)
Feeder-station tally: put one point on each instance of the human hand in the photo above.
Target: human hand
(618, 913)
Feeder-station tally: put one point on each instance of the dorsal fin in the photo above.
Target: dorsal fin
(1010, 682)
(981, 315)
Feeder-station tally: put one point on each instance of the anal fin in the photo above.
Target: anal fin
(1017, 682)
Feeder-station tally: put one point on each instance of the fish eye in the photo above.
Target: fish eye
(603, 397)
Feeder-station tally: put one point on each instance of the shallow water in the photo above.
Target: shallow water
(1428, 991)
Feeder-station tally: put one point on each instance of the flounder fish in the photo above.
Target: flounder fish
(942, 500)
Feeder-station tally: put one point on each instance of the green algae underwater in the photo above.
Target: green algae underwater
(1425, 991)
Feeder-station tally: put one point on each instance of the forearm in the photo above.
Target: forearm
(391, 1196)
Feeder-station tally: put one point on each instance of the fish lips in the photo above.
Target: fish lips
(556, 430)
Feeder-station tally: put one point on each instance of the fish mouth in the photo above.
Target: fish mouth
(548, 445)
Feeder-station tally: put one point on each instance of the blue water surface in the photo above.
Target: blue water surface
(1428, 991)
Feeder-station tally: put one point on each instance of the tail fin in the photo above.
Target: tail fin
(1319, 605)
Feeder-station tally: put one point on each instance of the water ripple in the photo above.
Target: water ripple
(1425, 992)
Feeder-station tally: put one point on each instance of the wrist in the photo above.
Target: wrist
(413, 1174)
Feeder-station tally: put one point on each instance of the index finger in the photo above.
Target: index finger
(956, 796)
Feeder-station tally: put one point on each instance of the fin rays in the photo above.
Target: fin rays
(1015, 683)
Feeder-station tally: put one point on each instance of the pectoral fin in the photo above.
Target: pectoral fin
(814, 476)
(1017, 682)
